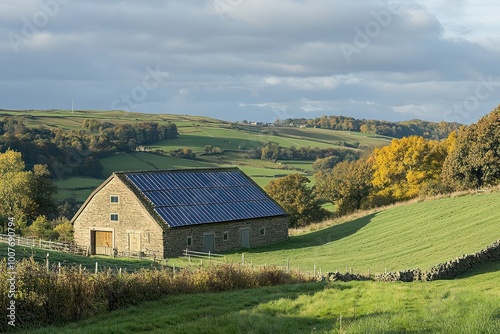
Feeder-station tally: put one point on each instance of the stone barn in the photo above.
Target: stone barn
(165, 212)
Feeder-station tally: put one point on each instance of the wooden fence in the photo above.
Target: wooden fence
(47, 245)
(204, 256)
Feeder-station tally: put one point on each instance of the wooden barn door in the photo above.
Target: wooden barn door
(134, 242)
(103, 242)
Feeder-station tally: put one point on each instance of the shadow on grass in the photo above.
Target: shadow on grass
(318, 238)
(484, 268)
(227, 312)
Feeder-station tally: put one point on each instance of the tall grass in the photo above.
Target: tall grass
(68, 294)
(470, 304)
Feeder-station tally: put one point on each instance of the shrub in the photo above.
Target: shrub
(65, 294)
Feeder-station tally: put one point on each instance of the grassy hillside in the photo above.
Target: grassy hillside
(195, 132)
(65, 119)
(408, 236)
(470, 304)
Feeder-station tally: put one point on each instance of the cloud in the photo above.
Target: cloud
(241, 59)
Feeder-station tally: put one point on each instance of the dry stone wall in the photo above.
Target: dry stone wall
(447, 270)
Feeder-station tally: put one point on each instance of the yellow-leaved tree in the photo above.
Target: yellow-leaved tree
(402, 168)
(15, 189)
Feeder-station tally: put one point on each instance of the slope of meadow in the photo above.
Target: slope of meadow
(406, 236)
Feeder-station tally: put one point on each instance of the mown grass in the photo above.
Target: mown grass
(415, 235)
(333, 137)
(470, 304)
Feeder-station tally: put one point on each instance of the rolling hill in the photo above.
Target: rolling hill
(194, 133)
(420, 234)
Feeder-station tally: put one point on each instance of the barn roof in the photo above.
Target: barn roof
(201, 196)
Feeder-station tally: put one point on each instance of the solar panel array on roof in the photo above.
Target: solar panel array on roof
(191, 198)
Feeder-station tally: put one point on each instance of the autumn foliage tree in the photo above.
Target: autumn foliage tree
(298, 200)
(402, 168)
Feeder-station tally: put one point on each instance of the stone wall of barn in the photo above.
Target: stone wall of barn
(132, 219)
(263, 231)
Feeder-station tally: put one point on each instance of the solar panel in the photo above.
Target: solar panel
(194, 197)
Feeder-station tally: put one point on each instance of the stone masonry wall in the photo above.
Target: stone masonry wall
(276, 229)
(133, 218)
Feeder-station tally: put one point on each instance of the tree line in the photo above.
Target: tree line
(428, 130)
(76, 152)
(272, 151)
(469, 158)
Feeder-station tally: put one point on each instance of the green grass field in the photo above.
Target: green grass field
(406, 236)
(78, 188)
(66, 119)
(146, 161)
(470, 304)
(104, 262)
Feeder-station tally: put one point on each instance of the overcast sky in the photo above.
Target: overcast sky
(254, 59)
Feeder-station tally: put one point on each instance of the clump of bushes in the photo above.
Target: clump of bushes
(67, 294)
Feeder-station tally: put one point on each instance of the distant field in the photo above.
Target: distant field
(407, 236)
(73, 120)
(78, 188)
(470, 304)
(233, 139)
(146, 161)
(333, 136)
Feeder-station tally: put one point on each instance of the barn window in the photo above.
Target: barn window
(225, 236)
(114, 217)
(262, 231)
(189, 241)
(114, 199)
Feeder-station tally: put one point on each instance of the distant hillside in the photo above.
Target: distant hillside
(428, 130)
(88, 145)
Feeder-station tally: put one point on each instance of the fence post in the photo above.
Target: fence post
(47, 261)
(242, 259)
(208, 255)
(96, 267)
(59, 267)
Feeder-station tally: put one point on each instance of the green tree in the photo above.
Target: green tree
(43, 191)
(474, 160)
(15, 189)
(325, 164)
(64, 229)
(42, 229)
(348, 184)
(298, 200)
